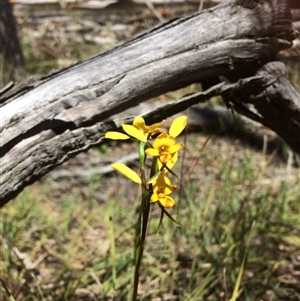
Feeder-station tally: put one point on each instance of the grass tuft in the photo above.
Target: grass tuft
(238, 234)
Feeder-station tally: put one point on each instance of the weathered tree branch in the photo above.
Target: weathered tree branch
(46, 122)
(277, 106)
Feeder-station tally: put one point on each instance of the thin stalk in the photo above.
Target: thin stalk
(142, 222)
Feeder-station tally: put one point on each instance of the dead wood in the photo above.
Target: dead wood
(46, 122)
(277, 106)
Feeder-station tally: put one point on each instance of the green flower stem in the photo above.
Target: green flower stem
(154, 167)
(142, 155)
(141, 229)
(141, 224)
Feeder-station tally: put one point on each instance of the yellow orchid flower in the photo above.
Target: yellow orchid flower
(164, 147)
(138, 130)
(127, 172)
(170, 164)
(151, 130)
(162, 188)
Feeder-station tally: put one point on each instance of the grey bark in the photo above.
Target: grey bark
(46, 122)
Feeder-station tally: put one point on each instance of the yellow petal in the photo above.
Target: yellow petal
(165, 157)
(153, 179)
(177, 126)
(139, 123)
(170, 189)
(155, 127)
(116, 136)
(163, 184)
(175, 148)
(127, 172)
(152, 152)
(162, 180)
(154, 198)
(170, 163)
(167, 202)
(134, 132)
(163, 140)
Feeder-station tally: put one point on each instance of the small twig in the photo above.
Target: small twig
(201, 4)
(154, 11)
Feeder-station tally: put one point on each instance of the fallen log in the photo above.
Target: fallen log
(46, 122)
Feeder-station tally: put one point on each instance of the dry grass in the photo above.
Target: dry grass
(75, 248)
